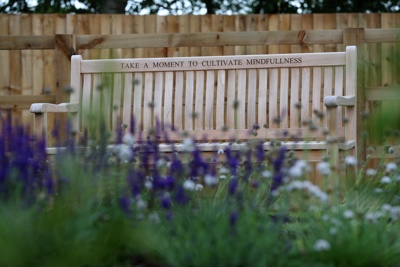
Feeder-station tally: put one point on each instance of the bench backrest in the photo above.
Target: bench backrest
(202, 95)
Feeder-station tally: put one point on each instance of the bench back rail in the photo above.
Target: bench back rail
(203, 95)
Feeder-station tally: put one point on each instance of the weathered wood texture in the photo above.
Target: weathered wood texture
(32, 61)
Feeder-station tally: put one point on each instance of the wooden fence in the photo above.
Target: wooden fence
(35, 49)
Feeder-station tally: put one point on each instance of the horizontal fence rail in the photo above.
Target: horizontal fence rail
(249, 38)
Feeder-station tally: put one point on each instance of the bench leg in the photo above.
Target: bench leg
(40, 125)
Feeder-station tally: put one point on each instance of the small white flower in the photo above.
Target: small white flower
(128, 139)
(221, 151)
(322, 245)
(371, 172)
(223, 170)
(266, 174)
(198, 187)
(123, 152)
(148, 184)
(210, 180)
(348, 214)
(390, 150)
(350, 161)
(373, 216)
(386, 207)
(378, 190)
(299, 168)
(188, 145)
(323, 168)
(222, 177)
(395, 213)
(391, 166)
(189, 185)
(140, 203)
(397, 178)
(333, 231)
(385, 180)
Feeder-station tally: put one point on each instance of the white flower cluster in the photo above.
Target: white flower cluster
(324, 168)
(309, 187)
(393, 211)
(299, 169)
(322, 245)
(192, 186)
(124, 151)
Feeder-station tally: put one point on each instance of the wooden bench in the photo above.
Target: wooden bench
(285, 95)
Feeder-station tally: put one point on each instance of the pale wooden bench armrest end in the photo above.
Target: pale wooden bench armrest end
(46, 107)
(334, 101)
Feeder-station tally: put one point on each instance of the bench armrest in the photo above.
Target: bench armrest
(334, 101)
(46, 107)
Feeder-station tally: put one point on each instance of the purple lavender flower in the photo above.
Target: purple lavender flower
(180, 196)
(233, 218)
(125, 205)
(165, 202)
(232, 186)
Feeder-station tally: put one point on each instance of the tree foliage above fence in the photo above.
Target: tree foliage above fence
(177, 7)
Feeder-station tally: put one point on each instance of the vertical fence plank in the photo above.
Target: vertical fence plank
(262, 25)
(48, 66)
(26, 66)
(38, 62)
(150, 27)
(116, 28)
(4, 57)
(217, 23)
(184, 27)
(127, 28)
(273, 25)
(195, 26)
(229, 26)
(138, 28)
(206, 26)
(169, 25)
(284, 25)
(295, 25)
(105, 28)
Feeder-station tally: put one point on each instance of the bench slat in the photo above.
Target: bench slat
(273, 98)
(158, 97)
(199, 101)
(168, 97)
(252, 98)
(220, 115)
(339, 85)
(178, 100)
(116, 105)
(262, 97)
(137, 91)
(305, 94)
(127, 99)
(284, 98)
(241, 96)
(294, 97)
(189, 95)
(328, 85)
(231, 98)
(316, 95)
(148, 103)
(209, 105)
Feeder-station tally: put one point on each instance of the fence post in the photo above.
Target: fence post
(64, 49)
(355, 36)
